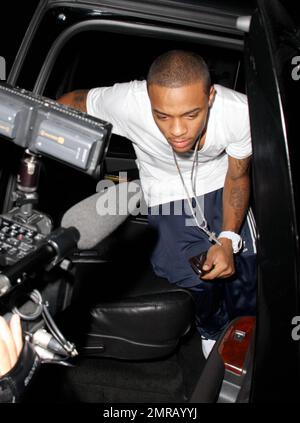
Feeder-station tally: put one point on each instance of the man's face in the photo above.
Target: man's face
(180, 113)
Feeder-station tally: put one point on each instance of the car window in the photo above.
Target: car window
(97, 58)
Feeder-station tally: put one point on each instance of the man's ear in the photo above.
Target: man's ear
(211, 97)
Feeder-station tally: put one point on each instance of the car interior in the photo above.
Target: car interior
(135, 332)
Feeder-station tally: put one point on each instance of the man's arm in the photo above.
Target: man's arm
(220, 263)
(75, 99)
(236, 194)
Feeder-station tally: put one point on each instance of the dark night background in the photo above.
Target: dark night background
(15, 17)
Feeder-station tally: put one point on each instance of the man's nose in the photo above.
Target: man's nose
(178, 128)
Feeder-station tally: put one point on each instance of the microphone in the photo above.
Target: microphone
(99, 215)
(83, 226)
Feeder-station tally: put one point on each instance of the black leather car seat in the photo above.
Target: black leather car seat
(134, 315)
(140, 326)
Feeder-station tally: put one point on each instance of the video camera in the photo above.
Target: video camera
(45, 127)
(29, 246)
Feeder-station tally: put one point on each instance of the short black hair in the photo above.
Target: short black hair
(177, 68)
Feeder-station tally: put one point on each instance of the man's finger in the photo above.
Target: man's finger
(16, 330)
(7, 338)
(226, 274)
(208, 264)
(5, 365)
(214, 273)
(218, 272)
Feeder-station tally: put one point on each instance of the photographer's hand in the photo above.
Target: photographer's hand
(219, 261)
(11, 343)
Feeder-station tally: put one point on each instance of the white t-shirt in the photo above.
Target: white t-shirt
(127, 107)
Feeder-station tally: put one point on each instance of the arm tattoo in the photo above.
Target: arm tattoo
(238, 200)
(79, 96)
(236, 193)
(79, 100)
(239, 167)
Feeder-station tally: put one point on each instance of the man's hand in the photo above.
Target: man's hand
(18, 361)
(219, 262)
(11, 343)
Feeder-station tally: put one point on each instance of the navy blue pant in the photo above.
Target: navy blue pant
(218, 301)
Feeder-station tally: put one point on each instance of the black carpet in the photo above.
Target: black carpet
(103, 380)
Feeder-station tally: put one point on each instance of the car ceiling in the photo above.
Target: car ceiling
(235, 7)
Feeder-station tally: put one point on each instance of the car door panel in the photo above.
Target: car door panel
(267, 56)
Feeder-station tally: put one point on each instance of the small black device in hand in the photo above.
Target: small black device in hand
(197, 263)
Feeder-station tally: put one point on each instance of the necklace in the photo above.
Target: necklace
(203, 226)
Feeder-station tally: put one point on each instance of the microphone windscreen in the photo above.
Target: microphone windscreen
(99, 215)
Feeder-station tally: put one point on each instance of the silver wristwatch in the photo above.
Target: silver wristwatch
(235, 238)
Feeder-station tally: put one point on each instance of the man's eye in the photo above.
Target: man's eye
(161, 117)
(192, 116)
